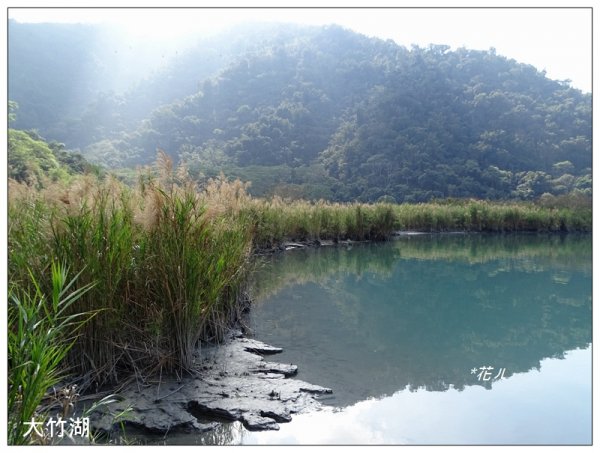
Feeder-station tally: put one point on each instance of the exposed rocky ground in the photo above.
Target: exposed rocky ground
(233, 382)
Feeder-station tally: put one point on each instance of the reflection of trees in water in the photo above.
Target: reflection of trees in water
(317, 264)
(433, 308)
(526, 252)
(571, 251)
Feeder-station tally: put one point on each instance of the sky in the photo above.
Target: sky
(558, 41)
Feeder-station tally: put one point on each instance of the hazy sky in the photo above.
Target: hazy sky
(557, 40)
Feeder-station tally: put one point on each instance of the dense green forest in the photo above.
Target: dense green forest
(34, 161)
(311, 112)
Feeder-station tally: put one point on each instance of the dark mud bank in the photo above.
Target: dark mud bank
(234, 382)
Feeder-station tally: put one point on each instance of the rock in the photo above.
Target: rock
(278, 417)
(293, 245)
(408, 233)
(234, 383)
(276, 368)
(254, 422)
(207, 410)
(315, 389)
(155, 419)
(257, 347)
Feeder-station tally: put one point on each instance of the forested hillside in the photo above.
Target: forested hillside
(319, 112)
(34, 161)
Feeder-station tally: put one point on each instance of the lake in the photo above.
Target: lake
(433, 339)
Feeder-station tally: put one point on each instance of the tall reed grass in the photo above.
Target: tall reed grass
(482, 215)
(42, 329)
(168, 262)
(277, 220)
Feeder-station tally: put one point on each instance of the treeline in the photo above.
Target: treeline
(374, 120)
(405, 126)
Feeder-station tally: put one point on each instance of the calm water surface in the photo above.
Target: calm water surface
(400, 332)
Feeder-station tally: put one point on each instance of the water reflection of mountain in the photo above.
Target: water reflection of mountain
(424, 311)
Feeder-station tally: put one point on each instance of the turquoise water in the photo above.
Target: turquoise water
(400, 331)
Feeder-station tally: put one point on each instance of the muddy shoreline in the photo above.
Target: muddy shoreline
(233, 382)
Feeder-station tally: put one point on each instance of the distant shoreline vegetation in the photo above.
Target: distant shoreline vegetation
(280, 220)
(165, 264)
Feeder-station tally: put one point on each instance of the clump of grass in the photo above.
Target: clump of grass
(195, 267)
(277, 220)
(98, 237)
(169, 262)
(41, 330)
(28, 230)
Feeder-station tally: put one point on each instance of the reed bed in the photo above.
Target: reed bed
(167, 263)
(278, 220)
(481, 215)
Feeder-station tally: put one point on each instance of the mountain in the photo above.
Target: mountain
(325, 112)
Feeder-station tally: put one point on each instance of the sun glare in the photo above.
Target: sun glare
(148, 23)
(551, 39)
